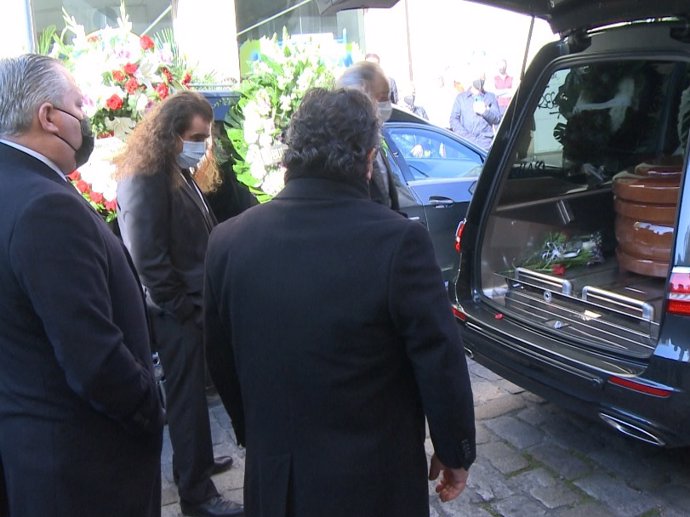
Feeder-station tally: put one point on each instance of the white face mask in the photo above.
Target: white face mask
(192, 153)
(385, 110)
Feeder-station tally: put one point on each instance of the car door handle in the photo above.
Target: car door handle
(440, 201)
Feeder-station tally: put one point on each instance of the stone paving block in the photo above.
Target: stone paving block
(511, 388)
(534, 415)
(483, 434)
(497, 407)
(518, 506)
(481, 371)
(485, 483)
(623, 500)
(486, 390)
(592, 509)
(628, 465)
(504, 458)
(568, 435)
(171, 511)
(672, 512)
(562, 461)
(536, 477)
(678, 495)
(460, 507)
(514, 431)
(533, 398)
(555, 496)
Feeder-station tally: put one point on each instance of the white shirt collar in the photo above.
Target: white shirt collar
(36, 155)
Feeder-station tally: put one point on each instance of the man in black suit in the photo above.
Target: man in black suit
(330, 336)
(80, 415)
(165, 222)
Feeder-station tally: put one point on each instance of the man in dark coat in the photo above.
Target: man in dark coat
(330, 335)
(165, 222)
(80, 415)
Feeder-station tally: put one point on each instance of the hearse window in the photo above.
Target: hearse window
(594, 121)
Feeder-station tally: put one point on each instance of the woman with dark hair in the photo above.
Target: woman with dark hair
(165, 222)
(330, 337)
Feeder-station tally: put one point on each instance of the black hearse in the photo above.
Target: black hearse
(574, 278)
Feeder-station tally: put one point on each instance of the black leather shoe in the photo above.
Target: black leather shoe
(214, 507)
(220, 464)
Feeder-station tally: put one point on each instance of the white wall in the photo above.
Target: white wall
(445, 34)
(206, 31)
(15, 35)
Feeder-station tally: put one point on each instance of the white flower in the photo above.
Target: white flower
(274, 181)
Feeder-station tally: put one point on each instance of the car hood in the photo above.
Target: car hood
(563, 15)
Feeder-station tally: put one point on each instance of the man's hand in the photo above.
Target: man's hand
(479, 107)
(452, 482)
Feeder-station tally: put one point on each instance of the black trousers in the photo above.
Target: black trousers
(180, 346)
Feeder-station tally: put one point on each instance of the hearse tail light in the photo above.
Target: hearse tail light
(459, 313)
(678, 297)
(458, 235)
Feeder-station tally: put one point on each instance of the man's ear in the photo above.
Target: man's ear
(46, 114)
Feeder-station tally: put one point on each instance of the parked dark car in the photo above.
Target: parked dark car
(435, 172)
(574, 279)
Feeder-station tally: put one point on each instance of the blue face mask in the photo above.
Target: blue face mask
(191, 155)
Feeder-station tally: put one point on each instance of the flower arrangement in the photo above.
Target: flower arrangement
(558, 253)
(121, 75)
(106, 208)
(270, 93)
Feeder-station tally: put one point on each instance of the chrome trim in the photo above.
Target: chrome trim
(565, 286)
(620, 300)
(631, 430)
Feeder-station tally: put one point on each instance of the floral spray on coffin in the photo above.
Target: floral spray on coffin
(121, 75)
(279, 77)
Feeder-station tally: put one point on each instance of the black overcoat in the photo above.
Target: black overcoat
(329, 338)
(80, 418)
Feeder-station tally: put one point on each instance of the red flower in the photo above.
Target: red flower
(93, 38)
(97, 197)
(167, 75)
(131, 68)
(558, 269)
(114, 102)
(74, 176)
(187, 79)
(119, 76)
(82, 186)
(110, 205)
(162, 90)
(146, 43)
(132, 85)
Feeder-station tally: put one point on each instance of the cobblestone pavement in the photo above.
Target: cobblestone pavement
(533, 459)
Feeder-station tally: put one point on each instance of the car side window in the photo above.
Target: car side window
(432, 155)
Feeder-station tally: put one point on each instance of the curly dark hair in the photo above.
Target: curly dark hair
(330, 136)
(151, 146)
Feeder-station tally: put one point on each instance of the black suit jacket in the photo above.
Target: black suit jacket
(165, 226)
(329, 338)
(80, 419)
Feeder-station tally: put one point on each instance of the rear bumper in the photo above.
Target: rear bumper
(577, 380)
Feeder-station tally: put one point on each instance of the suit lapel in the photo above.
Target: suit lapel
(190, 191)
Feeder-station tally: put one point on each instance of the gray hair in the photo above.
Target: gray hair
(362, 76)
(26, 82)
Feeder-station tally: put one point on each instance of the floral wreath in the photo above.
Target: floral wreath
(278, 80)
(122, 75)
